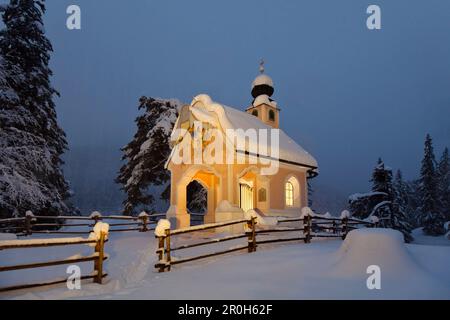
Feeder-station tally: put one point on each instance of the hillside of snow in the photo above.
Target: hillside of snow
(324, 269)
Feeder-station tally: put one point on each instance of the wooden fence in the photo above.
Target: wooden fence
(31, 224)
(312, 227)
(98, 257)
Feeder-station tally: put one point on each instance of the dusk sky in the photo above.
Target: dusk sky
(348, 95)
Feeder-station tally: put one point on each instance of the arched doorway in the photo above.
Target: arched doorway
(208, 178)
(196, 202)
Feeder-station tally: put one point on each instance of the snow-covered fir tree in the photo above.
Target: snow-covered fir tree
(147, 153)
(443, 177)
(31, 142)
(401, 216)
(388, 201)
(413, 191)
(382, 183)
(431, 219)
(382, 179)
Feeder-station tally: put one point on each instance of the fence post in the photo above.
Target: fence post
(160, 251)
(334, 227)
(251, 225)
(307, 228)
(344, 228)
(28, 226)
(144, 223)
(168, 258)
(98, 264)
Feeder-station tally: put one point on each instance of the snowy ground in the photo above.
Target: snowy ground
(324, 269)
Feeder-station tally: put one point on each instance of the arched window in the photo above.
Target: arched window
(289, 193)
(255, 113)
(271, 115)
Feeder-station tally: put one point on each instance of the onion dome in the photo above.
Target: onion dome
(263, 84)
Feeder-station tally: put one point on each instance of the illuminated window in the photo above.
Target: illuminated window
(271, 115)
(289, 191)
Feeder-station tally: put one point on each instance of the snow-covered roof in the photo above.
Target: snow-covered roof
(261, 80)
(218, 115)
(264, 99)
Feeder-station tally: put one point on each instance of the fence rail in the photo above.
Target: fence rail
(31, 224)
(98, 257)
(329, 227)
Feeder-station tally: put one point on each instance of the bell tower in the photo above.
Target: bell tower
(263, 107)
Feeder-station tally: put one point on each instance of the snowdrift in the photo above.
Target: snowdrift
(365, 247)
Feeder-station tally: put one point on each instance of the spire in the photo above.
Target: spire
(261, 66)
(263, 84)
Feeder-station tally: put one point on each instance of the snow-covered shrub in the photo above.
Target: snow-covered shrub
(161, 227)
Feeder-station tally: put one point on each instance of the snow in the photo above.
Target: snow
(261, 80)
(420, 238)
(24, 242)
(99, 228)
(95, 214)
(261, 219)
(7, 236)
(324, 269)
(229, 118)
(357, 196)
(306, 212)
(143, 214)
(161, 227)
(263, 99)
(345, 214)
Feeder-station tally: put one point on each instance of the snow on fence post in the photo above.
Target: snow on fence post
(101, 233)
(96, 216)
(251, 225)
(160, 234)
(29, 218)
(144, 217)
(345, 215)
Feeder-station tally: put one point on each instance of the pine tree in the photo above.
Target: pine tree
(382, 179)
(147, 153)
(31, 140)
(413, 191)
(443, 177)
(401, 215)
(382, 183)
(431, 219)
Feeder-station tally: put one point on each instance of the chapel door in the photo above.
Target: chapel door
(246, 197)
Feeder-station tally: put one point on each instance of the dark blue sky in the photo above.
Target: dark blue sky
(348, 95)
